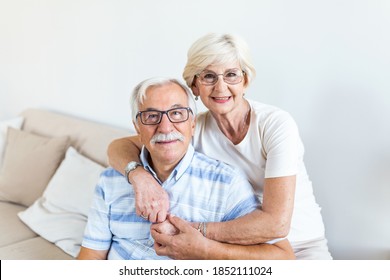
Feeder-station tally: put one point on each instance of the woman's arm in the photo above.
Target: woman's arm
(123, 150)
(151, 199)
(178, 246)
(270, 222)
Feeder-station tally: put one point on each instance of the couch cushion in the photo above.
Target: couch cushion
(35, 248)
(12, 229)
(60, 215)
(88, 137)
(15, 123)
(29, 163)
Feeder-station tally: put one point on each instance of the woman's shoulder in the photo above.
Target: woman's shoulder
(264, 111)
(201, 118)
(201, 115)
(262, 107)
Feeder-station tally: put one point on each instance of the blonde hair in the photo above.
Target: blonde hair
(218, 49)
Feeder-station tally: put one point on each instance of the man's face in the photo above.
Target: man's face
(162, 98)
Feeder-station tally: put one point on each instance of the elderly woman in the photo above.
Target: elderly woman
(261, 140)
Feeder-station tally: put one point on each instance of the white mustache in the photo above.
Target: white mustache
(160, 137)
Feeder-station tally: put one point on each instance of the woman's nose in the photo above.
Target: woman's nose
(220, 85)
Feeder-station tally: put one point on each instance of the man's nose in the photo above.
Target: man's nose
(165, 125)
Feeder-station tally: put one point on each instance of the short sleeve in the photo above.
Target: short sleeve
(241, 199)
(282, 145)
(97, 235)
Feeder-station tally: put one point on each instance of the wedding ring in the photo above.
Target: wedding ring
(142, 216)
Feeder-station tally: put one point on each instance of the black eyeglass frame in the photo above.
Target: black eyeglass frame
(188, 110)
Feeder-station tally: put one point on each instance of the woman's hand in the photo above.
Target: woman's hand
(151, 200)
(187, 244)
(165, 227)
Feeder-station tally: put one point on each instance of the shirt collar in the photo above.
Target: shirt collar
(177, 172)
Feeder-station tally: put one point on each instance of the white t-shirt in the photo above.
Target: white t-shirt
(271, 148)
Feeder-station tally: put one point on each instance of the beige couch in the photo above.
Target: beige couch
(38, 221)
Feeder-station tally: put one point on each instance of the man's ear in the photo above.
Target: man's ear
(193, 125)
(136, 127)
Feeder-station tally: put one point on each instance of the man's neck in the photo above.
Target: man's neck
(163, 169)
(163, 172)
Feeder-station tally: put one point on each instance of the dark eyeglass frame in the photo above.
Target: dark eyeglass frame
(161, 113)
(236, 70)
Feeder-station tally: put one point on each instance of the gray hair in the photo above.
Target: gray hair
(139, 93)
(218, 49)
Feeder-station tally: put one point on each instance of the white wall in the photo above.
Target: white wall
(326, 62)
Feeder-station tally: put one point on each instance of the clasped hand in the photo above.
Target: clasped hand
(177, 239)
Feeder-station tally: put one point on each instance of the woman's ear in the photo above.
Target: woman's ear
(195, 89)
(246, 81)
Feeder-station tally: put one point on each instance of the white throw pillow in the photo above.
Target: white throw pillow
(60, 215)
(15, 123)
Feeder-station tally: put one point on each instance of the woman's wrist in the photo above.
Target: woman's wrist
(132, 177)
(201, 227)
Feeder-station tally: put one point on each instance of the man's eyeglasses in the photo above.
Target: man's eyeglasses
(175, 115)
(231, 76)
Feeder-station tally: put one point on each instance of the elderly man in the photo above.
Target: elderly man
(200, 189)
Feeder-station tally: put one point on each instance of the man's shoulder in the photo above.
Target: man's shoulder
(209, 161)
(221, 177)
(110, 172)
(113, 185)
(110, 178)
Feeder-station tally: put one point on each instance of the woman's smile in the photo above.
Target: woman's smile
(221, 99)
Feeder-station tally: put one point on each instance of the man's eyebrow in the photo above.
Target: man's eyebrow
(177, 106)
(173, 106)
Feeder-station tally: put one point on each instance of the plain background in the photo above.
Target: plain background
(325, 62)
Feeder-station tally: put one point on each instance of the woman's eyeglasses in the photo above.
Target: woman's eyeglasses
(231, 76)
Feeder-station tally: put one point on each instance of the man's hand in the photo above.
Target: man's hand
(165, 227)
(151, 200)
(187, 244)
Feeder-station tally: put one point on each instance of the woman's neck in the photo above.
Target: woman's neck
(235, 124)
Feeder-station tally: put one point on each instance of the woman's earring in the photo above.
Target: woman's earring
(196, 98)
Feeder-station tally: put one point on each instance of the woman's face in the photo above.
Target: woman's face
(222, 97)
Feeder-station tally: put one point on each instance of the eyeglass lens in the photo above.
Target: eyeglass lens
(175, 115)
(232, 76)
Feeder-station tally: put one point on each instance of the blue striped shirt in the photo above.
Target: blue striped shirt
(200, 189)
